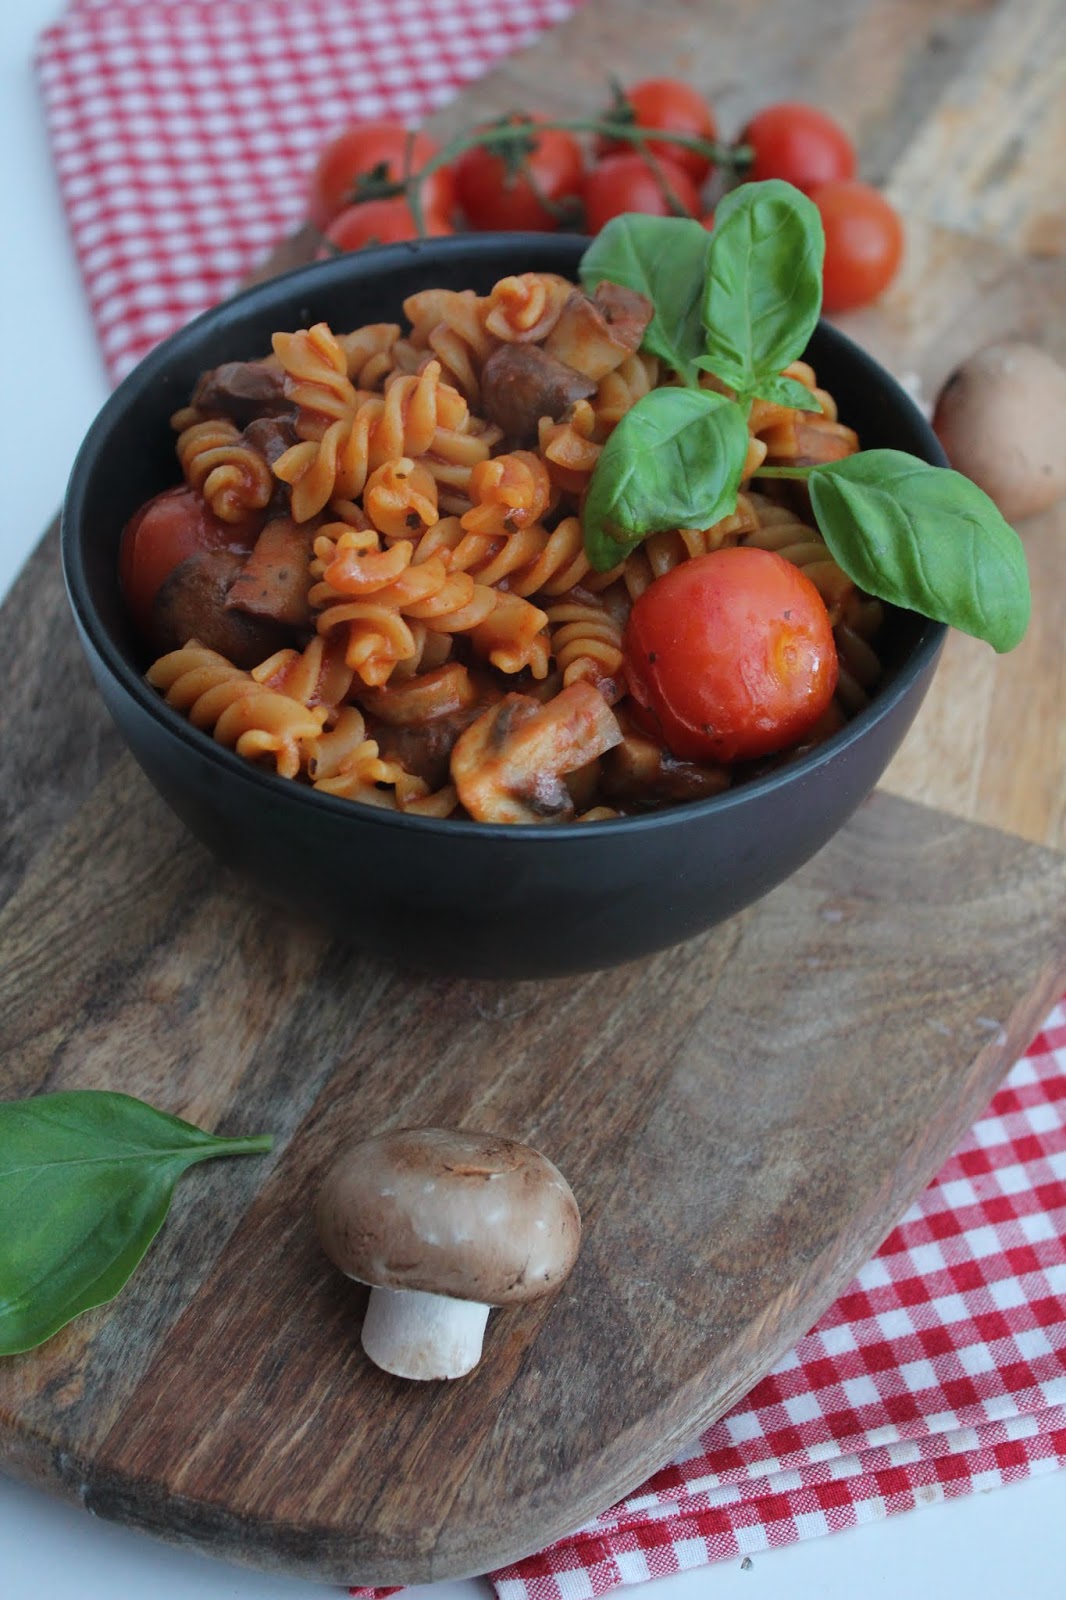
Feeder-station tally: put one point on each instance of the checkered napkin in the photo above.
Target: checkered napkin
(941, 1370)
(183, 134)
(183, 131)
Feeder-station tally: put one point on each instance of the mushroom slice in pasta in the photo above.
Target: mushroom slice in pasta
(510, 764)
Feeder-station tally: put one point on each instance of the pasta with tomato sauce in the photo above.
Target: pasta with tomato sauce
(373, 578)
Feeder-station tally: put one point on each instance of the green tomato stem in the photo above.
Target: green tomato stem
(722, 155)
(499, 135)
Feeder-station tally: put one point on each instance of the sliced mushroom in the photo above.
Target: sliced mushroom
(510, 764)
(275, 580)
(444, 1225)
(520, 383)
(595, 336)
(242, 390)
(191, 604)
(272, 436)
(641, 772)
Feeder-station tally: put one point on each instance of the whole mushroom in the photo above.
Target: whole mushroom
(1001, 418)
(444, 1225)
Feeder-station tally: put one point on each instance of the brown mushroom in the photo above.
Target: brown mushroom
(444, 1225)
(520, 383)
(594, 336)
(1000, 417)
(242, 390)
(191, 603)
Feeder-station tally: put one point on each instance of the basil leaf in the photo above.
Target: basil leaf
(664, 258)
(674, 461)
(925, 538)
(788, 392)
(86, 1179)
(764, 282)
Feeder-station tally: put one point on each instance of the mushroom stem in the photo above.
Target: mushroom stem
(418, 1335)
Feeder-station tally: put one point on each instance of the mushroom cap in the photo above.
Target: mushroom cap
(1000, 417)
(467, 1215)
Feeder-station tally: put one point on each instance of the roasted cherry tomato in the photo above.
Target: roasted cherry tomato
(863, 243)
(628, 183)
(675, 107)
(798, 143)
(168, 530)
(363, 149)
(495, 198)
(379, 222)
(731, 655)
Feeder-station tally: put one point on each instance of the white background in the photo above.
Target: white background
(1011, 1541)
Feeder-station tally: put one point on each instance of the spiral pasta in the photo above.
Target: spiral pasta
(569, 448)
(448, 325)
(524, 309)
(448, 648)
(316, 378)
(586, 644)
(234, 479)
(254, 720)
(416, 413)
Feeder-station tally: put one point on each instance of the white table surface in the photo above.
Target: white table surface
(1011, 1541)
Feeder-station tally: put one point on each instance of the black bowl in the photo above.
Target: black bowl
(461, 897)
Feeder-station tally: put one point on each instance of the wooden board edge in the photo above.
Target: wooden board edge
(471, 1551)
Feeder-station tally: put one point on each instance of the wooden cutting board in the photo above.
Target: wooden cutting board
(741, 1118)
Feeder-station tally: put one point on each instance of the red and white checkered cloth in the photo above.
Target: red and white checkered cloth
(941, 1370)
(183, 135)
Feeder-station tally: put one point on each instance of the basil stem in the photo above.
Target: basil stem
(86, 1180)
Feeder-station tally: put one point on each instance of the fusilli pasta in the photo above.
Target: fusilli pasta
(448, 649)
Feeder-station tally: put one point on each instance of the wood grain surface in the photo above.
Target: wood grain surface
(741, 1119)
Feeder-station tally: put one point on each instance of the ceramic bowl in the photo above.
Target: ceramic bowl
(461, 897)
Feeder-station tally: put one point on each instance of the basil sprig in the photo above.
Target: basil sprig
(741, 304)
(86, 1180)
(764, 285)
(673, 461)
(629, 251)
(925, 538)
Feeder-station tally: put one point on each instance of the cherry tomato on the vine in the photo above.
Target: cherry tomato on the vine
(498, 197)
(361, 150)
(863, 243)
(677, 108)
(628, 183)
(731, 655)
(168, 530)
(379, 222)
(798, 143)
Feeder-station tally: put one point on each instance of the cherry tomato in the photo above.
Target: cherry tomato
(164, 533)
(863, 243)
(675, 107)
(379, 222)
(800, 144)
(627, 183)
(497, 200)
(731, 655)
(362, 148)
